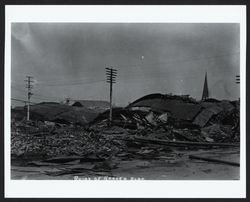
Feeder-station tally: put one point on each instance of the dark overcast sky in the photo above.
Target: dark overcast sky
(150, 58)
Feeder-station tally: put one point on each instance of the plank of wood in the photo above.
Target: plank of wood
(214, 160)
(183, 143)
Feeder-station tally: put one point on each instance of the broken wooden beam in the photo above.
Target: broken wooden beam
(214, 160)
(183, 143)
(177, 133)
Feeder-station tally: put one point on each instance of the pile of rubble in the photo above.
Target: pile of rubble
(31, 141)
(150, 126)
(178, 118)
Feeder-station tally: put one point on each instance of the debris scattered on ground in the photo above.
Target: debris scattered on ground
(150, 128)
(63, 142)
(219, 133)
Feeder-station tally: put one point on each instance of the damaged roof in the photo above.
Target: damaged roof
(91, 103)
(60, 113)
(210, 109)
(180, 107)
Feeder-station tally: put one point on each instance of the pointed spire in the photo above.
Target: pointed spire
(205, 93)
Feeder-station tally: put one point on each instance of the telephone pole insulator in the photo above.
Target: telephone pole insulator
(111, 74)
(237, 79)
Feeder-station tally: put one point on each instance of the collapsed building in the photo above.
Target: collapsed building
(156, 117)
(152, 111)
(170, 120)
(95, 105)
(181, 110)
(211, 119)
(55, 112)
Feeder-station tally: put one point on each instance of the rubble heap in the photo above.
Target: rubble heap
(45, 141)
(145, 128)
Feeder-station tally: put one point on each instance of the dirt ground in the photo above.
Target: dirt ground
(177, 167)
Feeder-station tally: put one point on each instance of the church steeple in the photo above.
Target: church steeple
(205, 93)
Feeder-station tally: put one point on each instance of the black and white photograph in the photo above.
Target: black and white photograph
(125, 101)
(111, 100)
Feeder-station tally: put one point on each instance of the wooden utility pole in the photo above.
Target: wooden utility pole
(238, 81)
(111, 75)
(29, 86)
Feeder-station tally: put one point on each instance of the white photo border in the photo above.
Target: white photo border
(126, 189)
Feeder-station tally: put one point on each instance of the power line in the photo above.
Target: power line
(40, 96)
(110, 79)
(70, 84)
(20, 100)
(18, 89)
(61, 81)
(43, 96)
(35, 94)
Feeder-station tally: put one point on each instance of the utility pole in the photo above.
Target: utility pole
(111, 74)
(29, 86)
(238, 81)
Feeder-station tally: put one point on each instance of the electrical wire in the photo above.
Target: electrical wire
(21, 100)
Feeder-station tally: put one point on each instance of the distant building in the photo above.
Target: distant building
(97, 105)
(68, 101)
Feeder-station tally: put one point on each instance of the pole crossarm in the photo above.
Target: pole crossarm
(237, 79)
